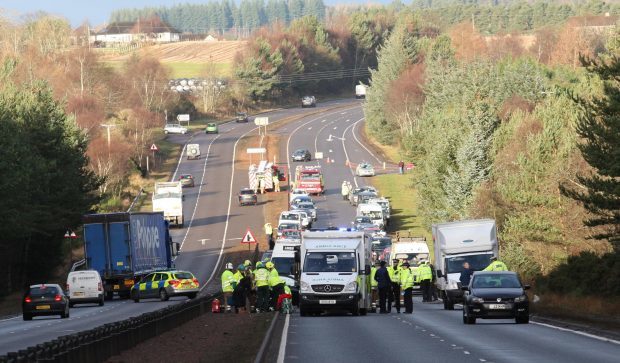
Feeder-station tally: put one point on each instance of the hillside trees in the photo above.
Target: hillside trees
(46, 184)
(398, 52)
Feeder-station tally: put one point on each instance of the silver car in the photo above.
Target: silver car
(174, 129)
(307, 207)
(365, 169)
(308, 101)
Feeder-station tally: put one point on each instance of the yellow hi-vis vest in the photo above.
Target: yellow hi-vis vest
(262, 277)
(406, 278)
(394, 274)
(373, 282)
(496, 266)
(227, 281)
(425, 272)
(238, 276)
(274, 277)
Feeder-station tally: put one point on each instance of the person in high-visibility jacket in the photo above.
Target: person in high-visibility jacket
(394, 272)
(269, 235)
(228, 285)
(406, 284)
(238, 275)
(374, 285)
(276, 284)
(496, 265)
(276, 183)
(262, 287)
(345, 190)
(425, 275)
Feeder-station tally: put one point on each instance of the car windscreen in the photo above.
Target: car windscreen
(284, 265)
(183, 275)
(293, 234)
(330, 262)
(413, 258)
(305, 206)
(310, 176)
(246, 192)
(290, 217)
(47, 291)
(499, 281)
(363, 220)
(476, 262)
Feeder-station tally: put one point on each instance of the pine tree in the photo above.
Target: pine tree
(599, 126)
(295, 9)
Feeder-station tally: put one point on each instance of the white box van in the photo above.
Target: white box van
(84, 287)
(374, 212)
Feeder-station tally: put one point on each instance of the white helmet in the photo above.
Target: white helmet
(229, 266)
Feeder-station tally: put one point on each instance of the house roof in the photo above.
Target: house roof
(151, 25)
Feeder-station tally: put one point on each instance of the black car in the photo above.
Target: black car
(247, 196)
(495, 295)
(45, 299)
(301, 155)
(241, 117)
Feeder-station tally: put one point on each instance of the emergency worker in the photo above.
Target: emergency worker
(276, 284)
(496, 265)
(394, 272)
(269, 234)
(406, 284)
(345, 190)
(425, 274)
(228, 285)
(262, 287)
(373, 283)
(276, 183)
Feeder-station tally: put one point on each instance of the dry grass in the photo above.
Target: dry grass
(594, 309)
(390, 153)
(189, 52)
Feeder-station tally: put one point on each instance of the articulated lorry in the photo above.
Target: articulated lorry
(124, 247)
(472, 241)
(335, 272)
(168, 198)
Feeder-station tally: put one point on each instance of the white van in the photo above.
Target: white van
(84, 287)
(374, 212)
(193, 151)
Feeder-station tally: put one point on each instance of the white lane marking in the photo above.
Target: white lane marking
(346, 154)
(282, 350)
(230, 194)
(13, 318)
(335, 127)
(465, 352)
(323, 120)
(309, 128)
(204, 171)
(364, 146)
(603, 339)
(316, 137)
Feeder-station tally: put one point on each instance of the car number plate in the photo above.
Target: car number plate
(326, 302)
(498, 306)
(116, 287)
(43, 307)
(78, 293)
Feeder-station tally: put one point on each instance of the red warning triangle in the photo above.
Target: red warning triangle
(249, 237)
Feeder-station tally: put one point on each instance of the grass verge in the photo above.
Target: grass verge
(198, 70)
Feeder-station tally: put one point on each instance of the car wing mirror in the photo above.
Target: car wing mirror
(439, 273)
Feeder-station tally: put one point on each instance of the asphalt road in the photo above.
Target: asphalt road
(431, 334)
(213, 224)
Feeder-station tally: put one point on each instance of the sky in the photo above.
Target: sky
(97, 11)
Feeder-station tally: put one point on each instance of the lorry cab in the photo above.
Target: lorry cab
(283, 258)
(472, 241)
(374, 212)
(335, 272)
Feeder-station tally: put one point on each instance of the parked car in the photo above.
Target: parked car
(300, 199)
(187, 180)
(308, 101)
(174, 129)
(45, 299)
(289, 235)
(365, 169)
(211, 128)
(495, 295)
(241, 117)
(165, 284)
(247, 196)
(308, 207)
(84, 287)
(301, 155)
(298, 192)
(360, 223)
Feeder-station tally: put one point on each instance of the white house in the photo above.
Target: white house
(149, 30)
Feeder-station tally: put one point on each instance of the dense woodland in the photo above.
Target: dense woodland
(224, 15)
(497, 126)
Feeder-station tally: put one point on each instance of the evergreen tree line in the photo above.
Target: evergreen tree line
(531, 145)
(226, 14)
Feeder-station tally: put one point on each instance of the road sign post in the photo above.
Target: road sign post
(183, 117)
(248, 239)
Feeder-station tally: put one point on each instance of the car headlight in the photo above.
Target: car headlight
(521, 298)
(477, 300)
(303, 286)
(351, 287)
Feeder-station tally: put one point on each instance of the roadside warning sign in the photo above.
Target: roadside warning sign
(249, 237)
(154, 148)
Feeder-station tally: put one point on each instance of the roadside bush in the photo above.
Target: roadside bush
(585, 274)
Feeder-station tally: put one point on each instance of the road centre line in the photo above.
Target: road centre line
(204, 171)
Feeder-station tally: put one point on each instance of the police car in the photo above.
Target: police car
(165, 284)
